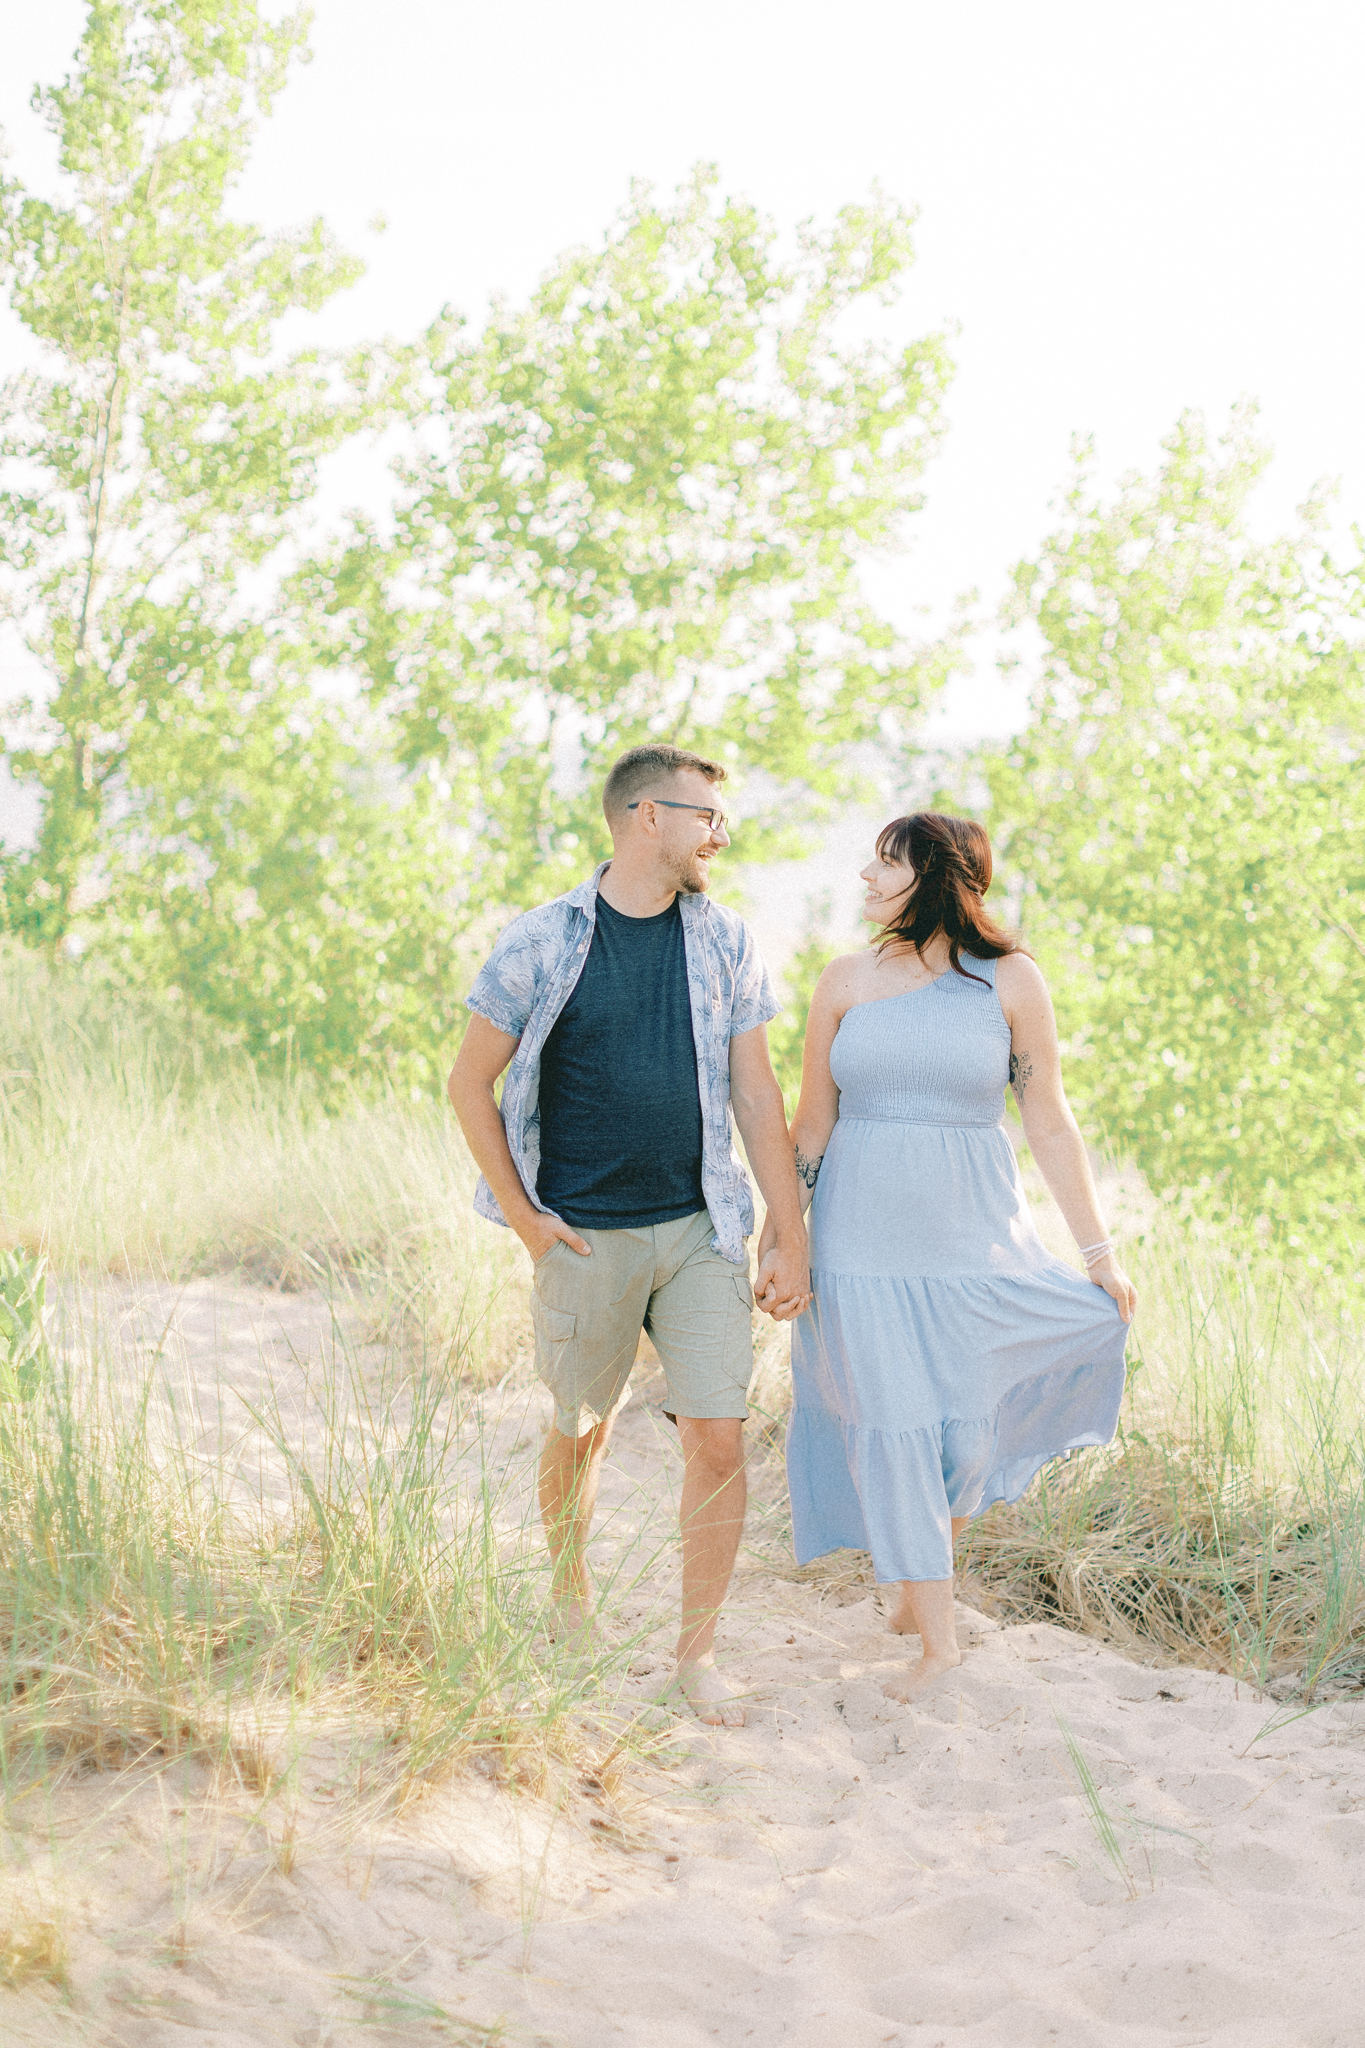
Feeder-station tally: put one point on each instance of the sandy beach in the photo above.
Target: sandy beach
(843, 1871)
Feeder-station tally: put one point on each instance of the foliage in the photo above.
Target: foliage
(25, 1356)
(635, 508)
(293, 899)
(1184, 816)
(207, 822)
(787, 1032)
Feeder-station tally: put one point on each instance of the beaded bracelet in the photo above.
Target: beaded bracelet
(1093, 1253)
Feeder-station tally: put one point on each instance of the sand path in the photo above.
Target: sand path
(841, 1872)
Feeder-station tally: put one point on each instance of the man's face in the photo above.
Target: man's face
(686, 840)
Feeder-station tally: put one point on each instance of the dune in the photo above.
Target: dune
(1058, 1846)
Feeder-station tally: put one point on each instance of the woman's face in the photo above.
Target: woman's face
(889, 885)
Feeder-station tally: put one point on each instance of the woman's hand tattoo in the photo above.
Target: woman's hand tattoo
(1021, 1072)
(807, 1170)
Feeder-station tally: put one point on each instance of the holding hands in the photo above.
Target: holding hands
(782, 1289)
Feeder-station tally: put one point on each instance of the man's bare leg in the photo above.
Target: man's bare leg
(926, 1605)
(713, 1502)
(570, 1470)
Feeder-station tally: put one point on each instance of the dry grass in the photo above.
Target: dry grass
(389, 1624)
(395, 1614)
(130, 1145)
(1164, 1554)
(31, 1949)
(1226, 1525)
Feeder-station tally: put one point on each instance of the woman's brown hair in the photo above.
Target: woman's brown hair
(951, 858)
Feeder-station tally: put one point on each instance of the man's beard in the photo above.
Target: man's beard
(690, 879)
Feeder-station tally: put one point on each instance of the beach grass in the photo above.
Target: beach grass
(132, 1142)
(395, 1608)
(1101, 1819)
(390, 1610)
(1225, 1526)
(389, 1605)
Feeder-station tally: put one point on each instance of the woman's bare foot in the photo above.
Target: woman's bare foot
(901, 1618)
(709, 1697)
(920, 1676)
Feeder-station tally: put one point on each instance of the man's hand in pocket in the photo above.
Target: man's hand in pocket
(540, 1232)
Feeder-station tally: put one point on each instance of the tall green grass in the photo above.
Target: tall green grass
(146, 1607)
(133, 1142)
(391, 1616)
(141, 1607)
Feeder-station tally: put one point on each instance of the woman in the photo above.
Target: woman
(945, 1355)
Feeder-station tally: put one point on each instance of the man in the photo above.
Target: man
(633, 1013)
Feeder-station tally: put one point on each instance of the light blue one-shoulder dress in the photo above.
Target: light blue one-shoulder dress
(946, 1355)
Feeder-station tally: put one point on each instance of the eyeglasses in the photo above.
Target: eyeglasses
(715, 819)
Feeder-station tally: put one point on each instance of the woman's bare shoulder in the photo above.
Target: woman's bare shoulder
(842, 983)
(1018, 979)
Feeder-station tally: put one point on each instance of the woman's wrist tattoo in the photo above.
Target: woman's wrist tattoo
(807, 1170)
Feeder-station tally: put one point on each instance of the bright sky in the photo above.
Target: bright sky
(1124, 210)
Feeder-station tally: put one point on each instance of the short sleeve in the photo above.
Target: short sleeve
(754, 1002)
(507, 986)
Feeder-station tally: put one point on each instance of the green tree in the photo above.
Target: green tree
(636, 509)
(206, 822)
(285, 890)
(1185, 818)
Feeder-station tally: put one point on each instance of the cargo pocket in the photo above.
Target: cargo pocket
(557, 1363)
(739, 1346)
(556, 1343)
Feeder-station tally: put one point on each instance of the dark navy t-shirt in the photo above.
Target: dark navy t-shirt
(620, 1113)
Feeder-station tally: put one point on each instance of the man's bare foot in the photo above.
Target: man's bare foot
(571, 1619)
(709, 1697)
(920, 1676)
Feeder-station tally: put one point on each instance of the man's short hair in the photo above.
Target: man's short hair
(641, 766)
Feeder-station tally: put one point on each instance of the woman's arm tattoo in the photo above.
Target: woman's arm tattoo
(807, 1170)
(1021, 1073)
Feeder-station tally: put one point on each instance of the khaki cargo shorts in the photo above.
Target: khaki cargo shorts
(663, 1278)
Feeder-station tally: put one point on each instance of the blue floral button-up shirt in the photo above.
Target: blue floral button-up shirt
(533, 971)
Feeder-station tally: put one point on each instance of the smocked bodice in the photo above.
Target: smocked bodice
(936, 1055)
